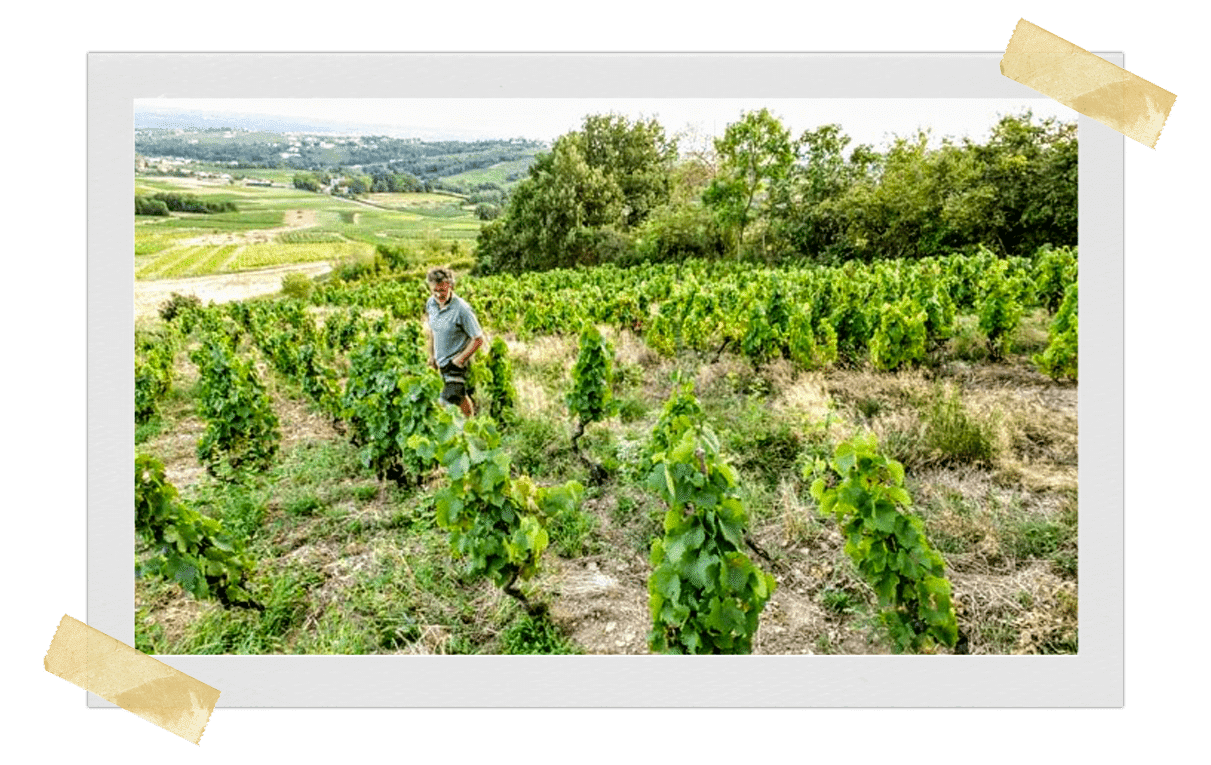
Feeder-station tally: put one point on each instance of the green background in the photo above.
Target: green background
(45, 385)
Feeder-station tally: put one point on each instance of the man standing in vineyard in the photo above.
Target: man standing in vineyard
(452, 336)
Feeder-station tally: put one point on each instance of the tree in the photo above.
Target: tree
(637, 157)
(580, 198)
(1033, 168)
(306, 182)
(806, 214)
(755, 154)
(359, 184)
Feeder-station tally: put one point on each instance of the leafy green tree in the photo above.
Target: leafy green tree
(306, 182)
(807, 216)
(581, 198)
(755, 154)
(359, 184)
(1033, 167)
(637, 156)
(145, 206)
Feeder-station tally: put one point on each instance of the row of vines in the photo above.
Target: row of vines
(889, 313)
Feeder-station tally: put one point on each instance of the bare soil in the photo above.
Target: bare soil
(221, 288)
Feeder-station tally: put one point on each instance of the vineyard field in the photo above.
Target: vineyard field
(278, 226)
(760, 376)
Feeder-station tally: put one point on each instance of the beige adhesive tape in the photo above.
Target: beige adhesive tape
(1085, 82)
(131, 679)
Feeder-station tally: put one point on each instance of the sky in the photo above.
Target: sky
(871, 121)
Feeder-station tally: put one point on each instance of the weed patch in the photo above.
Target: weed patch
(953, 434)
(535, 635)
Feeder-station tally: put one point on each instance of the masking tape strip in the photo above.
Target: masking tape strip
(1085, 82)
(131, 679)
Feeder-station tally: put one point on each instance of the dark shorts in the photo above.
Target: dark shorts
(455, 379)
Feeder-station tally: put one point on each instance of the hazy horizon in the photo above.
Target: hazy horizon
(870, 121)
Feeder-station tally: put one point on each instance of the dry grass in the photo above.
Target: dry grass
(1028, 611)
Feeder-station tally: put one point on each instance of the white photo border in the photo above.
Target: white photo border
(1091, 678)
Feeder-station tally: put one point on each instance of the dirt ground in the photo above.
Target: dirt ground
(221, 288)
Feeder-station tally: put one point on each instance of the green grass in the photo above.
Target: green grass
(309, 236)
(535, 635)
(343, 228)
(416, 202)
(152, 243)
(954, 433)
(574, 533)
(223, 222)
(497, 174)
(274, 254)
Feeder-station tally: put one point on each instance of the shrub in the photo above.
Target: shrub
(145, 206)
(297, 286)
(177, 304)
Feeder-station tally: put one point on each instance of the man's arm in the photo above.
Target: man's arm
(469, 350)
(470, 325)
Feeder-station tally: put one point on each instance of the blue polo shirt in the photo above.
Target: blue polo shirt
(452, 326)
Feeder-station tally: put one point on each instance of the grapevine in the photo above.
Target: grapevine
(900, 337)
(189, 548)
(502, 397)
(705, 595)
(591, 398)
(1059, 360)
(241, 427)
(889, 545)
(1000, 310)
(496, 521)
(154, 356)
(390, 397)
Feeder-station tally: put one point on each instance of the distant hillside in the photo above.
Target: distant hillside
(435, 162)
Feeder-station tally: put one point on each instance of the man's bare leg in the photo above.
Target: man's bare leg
(468, 406)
